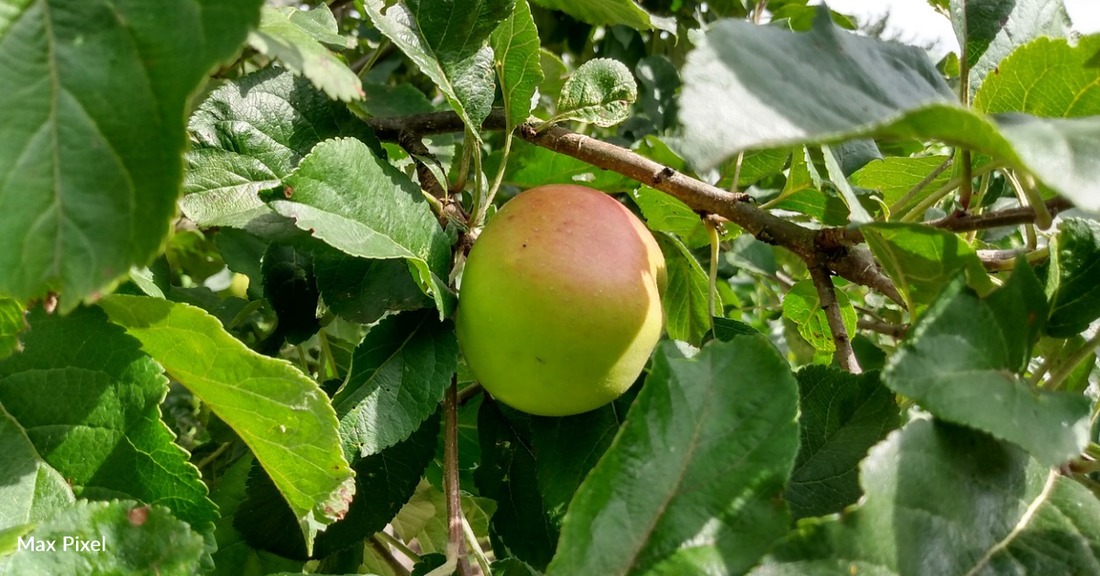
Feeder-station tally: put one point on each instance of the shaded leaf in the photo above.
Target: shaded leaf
(107, 438)
(299, 50)
(281, 414)
(1074, 280)
(89, 192)
(516, 51)
(290, 287)
(690, 484)
(599, 92)
(250, 134)
(12, 324)
(947, 500)
(361, 290)
(842, 416)
(398, 375)
(960, 363)
(393, 221)
(802, 305)
(30, 489)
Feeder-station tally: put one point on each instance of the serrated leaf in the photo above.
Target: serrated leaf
(611, 12)
(1045, 77)
(290, 287)
(318, 22)
(733, 101)
(281, 414)
(947, 500)
(857, 214)
(234, 556)
(842, 416)
(361, 290)
(961, 360)
(12, 324)
(802, 305)
(675, 494)
(1074, 280)
(398, 376)
(516, 50)
(250, 134)
(456, 59)
(107, 439)
(509, 475)
(990, 30)
(137, 539)
(30, 489)
(599, 92)
(894, 177)
(280, 38)
(687, 314)
(89, 192)
(393, 221)
(922, 260)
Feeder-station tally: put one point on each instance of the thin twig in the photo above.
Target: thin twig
(1082, 354)
(912, 193)
(469, 392)
(712, 232)
(398, 545)
(966, 190)
(885, 328)
(845, 355)
(737, 172)
(455, 537)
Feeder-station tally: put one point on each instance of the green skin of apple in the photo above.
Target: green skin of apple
(560, 302)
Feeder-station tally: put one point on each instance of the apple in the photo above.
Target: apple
(560, 301)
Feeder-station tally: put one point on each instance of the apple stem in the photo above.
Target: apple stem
(455, 535)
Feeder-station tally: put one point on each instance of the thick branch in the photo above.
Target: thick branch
(845, 355)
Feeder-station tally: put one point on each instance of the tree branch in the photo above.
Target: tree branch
(826, 292)
(455, 537)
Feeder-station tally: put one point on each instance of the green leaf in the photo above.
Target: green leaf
(133, 539)
(569, 447)
(1074, 280)
(281, 38)
(1045, 77)
(385, 482)
(446, 40)
(947, 500)
(922, 260)
(424, 517)
(733, 101)
(398, 376)
(250, 134)
(692, 481)
(509, 475)
(281, 414)
(234, 556)
(30, 489)
(894, 177)
(106, 439)
(802, 305)
(687, 314)
(88, 191)
(611, 12)
(665, 213)
(12, 324)
(361, 290)
(290, 287)
(599, 92)
(530, 166)
(990, 30)
(516, 50)
(960, 363)
(393, 221)
(842, 416)
(660, 84)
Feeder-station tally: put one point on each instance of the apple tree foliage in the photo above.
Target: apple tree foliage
(231, 249)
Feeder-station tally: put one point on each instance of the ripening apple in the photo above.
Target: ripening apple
(560, 301)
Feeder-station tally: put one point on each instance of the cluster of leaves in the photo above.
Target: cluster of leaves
(255, 387)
